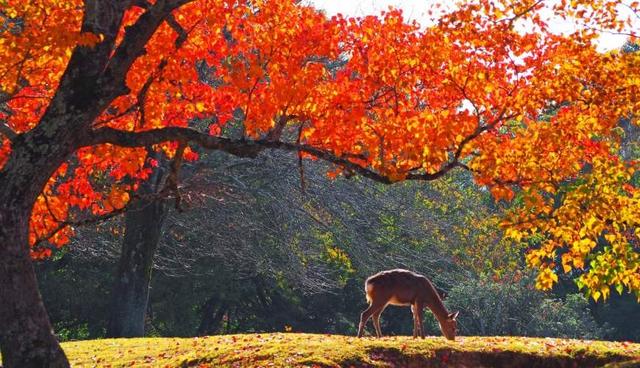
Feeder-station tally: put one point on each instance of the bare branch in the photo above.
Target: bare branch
(86, 221)
(300, 163)
(98, 218)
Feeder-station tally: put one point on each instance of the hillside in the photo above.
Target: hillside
(291, 349)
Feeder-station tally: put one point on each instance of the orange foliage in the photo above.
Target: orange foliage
(524, 110)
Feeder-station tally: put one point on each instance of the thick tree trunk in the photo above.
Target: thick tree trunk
(143, 228)
(26, 336)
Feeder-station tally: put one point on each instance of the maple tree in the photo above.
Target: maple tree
(89, 88)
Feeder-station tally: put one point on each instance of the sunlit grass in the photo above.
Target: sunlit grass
(291, 349)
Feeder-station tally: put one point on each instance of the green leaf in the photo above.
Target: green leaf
(619, 288)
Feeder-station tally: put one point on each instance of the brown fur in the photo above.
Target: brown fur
(405, 288)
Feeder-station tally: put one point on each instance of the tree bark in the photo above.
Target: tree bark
(143, 228)
(212, 314)
(26, 336)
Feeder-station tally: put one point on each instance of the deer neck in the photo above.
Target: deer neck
(438, 308)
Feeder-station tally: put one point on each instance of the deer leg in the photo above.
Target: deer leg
(419, 309)
(364, 317)
(415, 320)
(376, 321)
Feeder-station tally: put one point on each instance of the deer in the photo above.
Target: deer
(406, 288)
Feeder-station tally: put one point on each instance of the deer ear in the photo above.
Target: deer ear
(454, 315)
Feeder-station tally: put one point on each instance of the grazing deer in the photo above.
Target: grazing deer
(402, 287)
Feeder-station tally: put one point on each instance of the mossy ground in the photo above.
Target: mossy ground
(294, 350)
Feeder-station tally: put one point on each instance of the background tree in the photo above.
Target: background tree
(225, 265)
(143, 229)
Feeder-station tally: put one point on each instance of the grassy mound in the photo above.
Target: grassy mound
(289, 349)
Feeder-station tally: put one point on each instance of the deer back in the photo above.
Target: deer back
(400, 287)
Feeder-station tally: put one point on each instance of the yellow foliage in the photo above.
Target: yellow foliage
(596, 224)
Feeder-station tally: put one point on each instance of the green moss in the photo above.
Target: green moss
(291, 349)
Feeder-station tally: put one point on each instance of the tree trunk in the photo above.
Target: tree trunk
(26, 336)
(143, 228)
(86, 88)
(212, 314)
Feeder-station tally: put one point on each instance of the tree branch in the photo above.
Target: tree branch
(245, 148)
(136, 38)
(7, 131)
(523, 12)
(182, 33)
(172, 180)
(86, 221)
(103, 217)
(240, 148)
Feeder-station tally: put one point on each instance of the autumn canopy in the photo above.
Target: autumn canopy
(535, 117)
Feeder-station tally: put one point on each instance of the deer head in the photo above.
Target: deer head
(448, 326)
